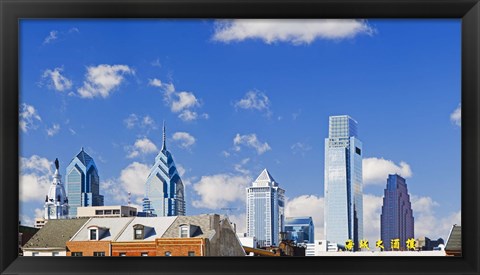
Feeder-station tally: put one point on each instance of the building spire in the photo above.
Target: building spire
(164, 144)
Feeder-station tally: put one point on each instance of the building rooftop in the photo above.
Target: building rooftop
(265, 176)
(454, 242)
(114, 227)
(158, 226)
(55, 233)
(84, 157)
(298, 220)
(204, 223)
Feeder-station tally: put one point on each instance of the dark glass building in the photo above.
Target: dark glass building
(397, 217)
(299, 229)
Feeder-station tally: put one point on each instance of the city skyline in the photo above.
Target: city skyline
(235, 107)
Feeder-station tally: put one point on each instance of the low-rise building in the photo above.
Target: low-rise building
(50, 240)
(95, 237)
(40, 222)
(453, 247)
(426, 244)
(25, 233)
(202, 235)
(106, 211)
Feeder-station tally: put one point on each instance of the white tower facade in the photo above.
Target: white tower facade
(265, 210)
(56, 201)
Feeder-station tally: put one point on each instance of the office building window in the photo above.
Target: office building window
(144, 254)
(55, 253)
(77, 254)
(168, 253)
(122, 254)
(191, 253)
(34, 253)
(99, 254)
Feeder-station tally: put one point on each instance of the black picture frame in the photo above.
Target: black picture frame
(13, 10)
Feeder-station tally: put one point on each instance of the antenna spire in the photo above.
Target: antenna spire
(164, 145)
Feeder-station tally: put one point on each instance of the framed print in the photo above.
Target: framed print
(217, 136)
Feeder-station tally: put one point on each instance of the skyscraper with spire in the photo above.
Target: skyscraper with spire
(83, 183)
(56, 202)
(265, 210)
(164, 190)
(343, 209)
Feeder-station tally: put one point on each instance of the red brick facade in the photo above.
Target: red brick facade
(87, 248)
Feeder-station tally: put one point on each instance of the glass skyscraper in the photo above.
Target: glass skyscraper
(164, 190)
(343, 182)
(83, 183)
(299, 229)
(397, 216)
(265, 210)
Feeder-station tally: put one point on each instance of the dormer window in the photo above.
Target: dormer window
(138, 232)
(96, 232)
(184, 231)
(93, 234)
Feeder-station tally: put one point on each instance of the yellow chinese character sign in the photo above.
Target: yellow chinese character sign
(349, 245)
(395, 243)
(410, 243)
(364, 244)
(379, 244)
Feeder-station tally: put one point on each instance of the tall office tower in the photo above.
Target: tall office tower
(56, 202)
(343, 182)
(397, 216)
(265, 210)
(164, 190)
(300, 229)
(83, 183)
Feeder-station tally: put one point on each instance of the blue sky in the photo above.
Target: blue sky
(238, 96)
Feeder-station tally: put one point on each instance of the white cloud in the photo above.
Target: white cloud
(372, 208)
(179, 102)
(102, 80)
(184, 100)
(239, 167)
(134, 120)
(132, 179)
(376, 170)
(27, 220)
(185, 139)
(300, 148)
(28, 116)
(428, 223)
(52, 36)
(307, 205)
(141, 146)
(34, 178)
(57, 80)
(156, 63)
(55, 35)
(456, 116)
(252, 141)
(54, 130)
(254, 100)
(217, 191)
(294, 31)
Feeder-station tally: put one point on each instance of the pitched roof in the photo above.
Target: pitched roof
(265, 176)
(114, 226)
(454, 241)
(203, 222)
(55, 233)
(158, 227)
(84, 157)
